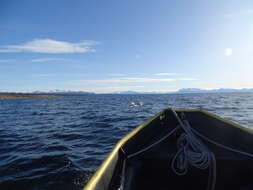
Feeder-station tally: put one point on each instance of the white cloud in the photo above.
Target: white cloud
(117, 88)
(50, 46)
(149, 79)
(228, 52)
(238, 14)
(41, 75)
(48, 59)
(165, 74)
(5, 60)
(116, 74)
(129, 80)
(187, 79)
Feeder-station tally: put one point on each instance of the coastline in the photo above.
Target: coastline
(26, 95)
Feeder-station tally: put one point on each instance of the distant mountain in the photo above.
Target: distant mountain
(191, 90)
(126, 92)
(63, 92)
(134, 92)
(180, 91)
(197, 90)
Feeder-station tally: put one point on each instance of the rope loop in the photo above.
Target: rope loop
(191, 151)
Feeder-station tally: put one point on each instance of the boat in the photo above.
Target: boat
(180, 150)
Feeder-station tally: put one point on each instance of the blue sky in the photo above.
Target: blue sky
(112, 45)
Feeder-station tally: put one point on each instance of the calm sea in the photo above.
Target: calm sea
(57, 143)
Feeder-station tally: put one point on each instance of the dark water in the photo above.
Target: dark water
(57, 143)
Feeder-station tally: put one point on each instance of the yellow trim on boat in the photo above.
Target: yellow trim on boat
(95, 178)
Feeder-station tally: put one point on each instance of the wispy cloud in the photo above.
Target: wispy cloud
(117, 88)
(187, 79)
(6, 60)
(238, 14)
(50, 46)
(116, 74)
(42, 75)
(149, 79)
(47, 59)
(129, 80)
(165, 74)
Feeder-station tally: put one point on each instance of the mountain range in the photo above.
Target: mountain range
(180, 91)
(62, 92)
(191, 90)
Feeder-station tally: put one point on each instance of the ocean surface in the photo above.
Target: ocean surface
(57, 143)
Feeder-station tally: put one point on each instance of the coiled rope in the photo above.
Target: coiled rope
(191, 151)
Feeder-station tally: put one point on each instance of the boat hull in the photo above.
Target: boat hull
(151, 169)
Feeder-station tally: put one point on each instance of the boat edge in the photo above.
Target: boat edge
(97, 175)
(230, 123)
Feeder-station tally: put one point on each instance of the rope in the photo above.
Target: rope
(191, 151)
(222, 146)
(152, 145)
(122, 181)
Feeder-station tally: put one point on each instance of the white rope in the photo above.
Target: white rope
(122, 182)
(152, 145)
(222, 146)
(191, 151)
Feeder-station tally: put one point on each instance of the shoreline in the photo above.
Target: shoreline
(26, 95)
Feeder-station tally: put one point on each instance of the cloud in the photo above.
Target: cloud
(48, 59)
(238, 14)
(117, 88)
(187, 79)
(129, 80)
(50, 46)
(116, 74)
(149, 79)
(228, 52)
(41, 75)
(165, 74)
(6, 60)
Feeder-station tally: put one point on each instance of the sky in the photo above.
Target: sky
(137, 45)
